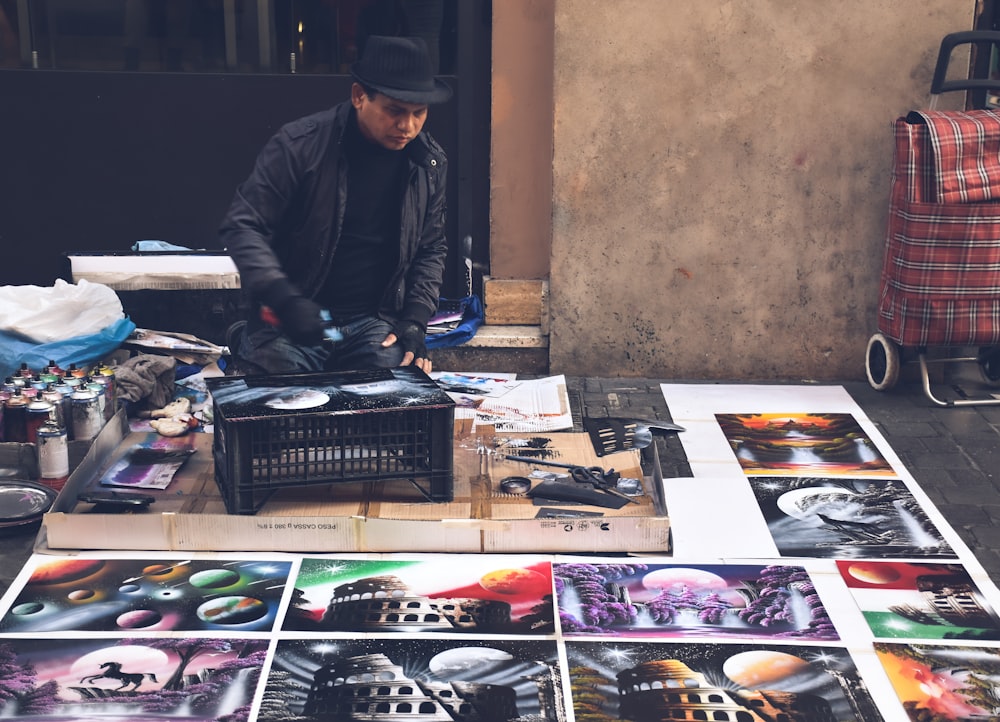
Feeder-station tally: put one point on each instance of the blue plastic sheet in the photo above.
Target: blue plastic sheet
(472, 319)
(79, 350)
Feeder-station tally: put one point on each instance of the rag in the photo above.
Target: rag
(147, 377)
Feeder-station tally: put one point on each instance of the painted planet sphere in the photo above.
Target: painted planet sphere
(214, 578)
(762, 668)
(463, 660)
(232, 610)
(28, 608)
(515, 581)
(676, 578)
(874, 573)
(80, 595)
(138, 619)
(69, 570)
(164, 571)
(129, 588)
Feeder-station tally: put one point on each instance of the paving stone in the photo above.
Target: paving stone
(916, 429)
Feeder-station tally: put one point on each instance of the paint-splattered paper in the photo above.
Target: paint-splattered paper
(846, 518)
(472, 595)
(802, 444)
(920, 600)
(938, 682)
(654, 600)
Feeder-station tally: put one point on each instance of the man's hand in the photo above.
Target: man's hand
(410, 335)
(300, 320)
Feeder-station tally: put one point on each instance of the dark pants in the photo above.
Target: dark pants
(264, 349)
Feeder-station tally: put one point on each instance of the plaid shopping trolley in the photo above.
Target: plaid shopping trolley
(940, 279)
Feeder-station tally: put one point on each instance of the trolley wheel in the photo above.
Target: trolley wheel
(882, 362)
(989, 365)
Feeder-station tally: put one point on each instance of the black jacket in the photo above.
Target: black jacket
(285, 219)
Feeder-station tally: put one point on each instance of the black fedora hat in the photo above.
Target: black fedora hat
(401, 69)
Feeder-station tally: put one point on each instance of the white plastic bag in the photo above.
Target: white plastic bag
(64, 310)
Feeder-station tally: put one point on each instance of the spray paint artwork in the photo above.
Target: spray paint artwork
(148, 595)
(846, 518)
(920, 601)
(348, 679)
(802, 444)
(139, 680)
(943, 682)
(652, 600)
(659, 681)
(448, 595)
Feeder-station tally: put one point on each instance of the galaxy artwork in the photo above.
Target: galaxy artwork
(938, 682)
(329, 392)
(846, 518)
(802, 444)
(468, 595)
(658, 681)
(910, 600)
(136, 679)
(148, 595)
(655, 600)
(441, 679)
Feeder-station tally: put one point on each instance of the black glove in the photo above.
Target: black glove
(300, 320)
(410, 335)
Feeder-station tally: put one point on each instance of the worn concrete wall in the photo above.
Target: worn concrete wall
(721, 177)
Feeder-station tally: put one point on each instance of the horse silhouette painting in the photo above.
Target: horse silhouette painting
(113, 670)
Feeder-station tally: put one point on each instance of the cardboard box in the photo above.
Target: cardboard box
(369, 517)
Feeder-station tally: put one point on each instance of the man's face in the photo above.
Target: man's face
(389, 122)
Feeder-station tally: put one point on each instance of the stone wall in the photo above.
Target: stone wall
(720, 180)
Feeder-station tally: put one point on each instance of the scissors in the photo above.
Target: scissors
(596, 476)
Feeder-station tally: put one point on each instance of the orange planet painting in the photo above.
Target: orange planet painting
(874, 573)
(515, 581)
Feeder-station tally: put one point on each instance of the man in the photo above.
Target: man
(345, 212)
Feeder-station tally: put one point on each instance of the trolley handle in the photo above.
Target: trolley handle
(948, 44)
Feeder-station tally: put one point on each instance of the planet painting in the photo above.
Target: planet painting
(138, 619)
(761, 669)
(65, 570)
(805, 504)
(874, 573)
(460, 661)
(675, 579)
(214, 578)
(515, 581)
(232, 610)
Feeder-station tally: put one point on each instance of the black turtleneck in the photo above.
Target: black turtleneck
(368, 248)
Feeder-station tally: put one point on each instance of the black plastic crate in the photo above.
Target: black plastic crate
(274, 432)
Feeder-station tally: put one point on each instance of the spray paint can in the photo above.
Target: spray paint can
(53, 368)
(102, 384)
(87, 418)
(108, 373)
(15, 418)
(65, 414)
(39, 411)
(99, 389)
(55, 398)
(75, 372)
(53, 455)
